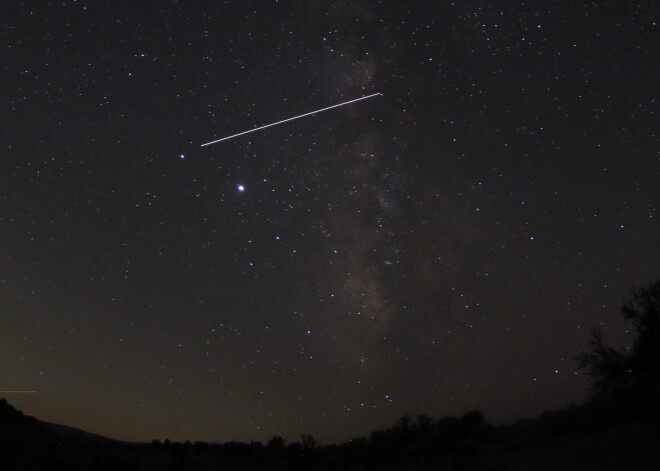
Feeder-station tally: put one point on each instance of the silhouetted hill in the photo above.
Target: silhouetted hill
(76, 433)
(603, 434)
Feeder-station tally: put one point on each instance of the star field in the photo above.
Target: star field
(443, 247)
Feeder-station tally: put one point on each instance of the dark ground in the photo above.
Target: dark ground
(617, 433)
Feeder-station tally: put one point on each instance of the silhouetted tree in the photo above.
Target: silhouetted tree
(607, 365)
(643, 310)
(615, 370)
(402, 429)
(307, 441)
(424, 425)
(276, 442)
(473, 419)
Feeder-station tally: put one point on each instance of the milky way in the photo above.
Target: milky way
(443, 247)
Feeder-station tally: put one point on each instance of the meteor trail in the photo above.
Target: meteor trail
(291, 119)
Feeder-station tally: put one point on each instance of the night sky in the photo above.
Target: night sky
(443, 247)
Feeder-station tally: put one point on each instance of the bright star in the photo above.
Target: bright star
(240, 188)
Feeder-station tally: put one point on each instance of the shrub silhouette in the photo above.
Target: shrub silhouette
(424, 438)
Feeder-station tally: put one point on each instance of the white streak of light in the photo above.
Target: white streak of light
(291, 119)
